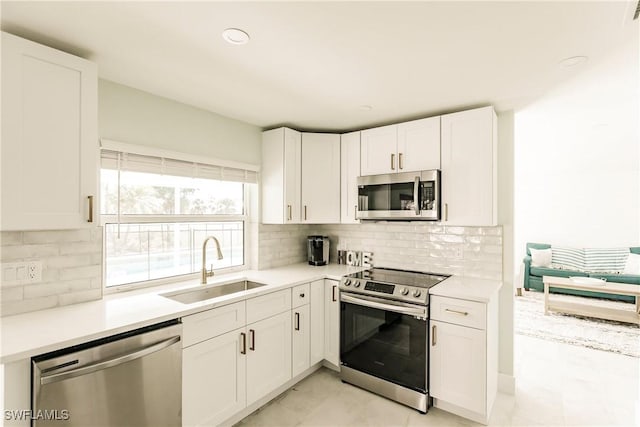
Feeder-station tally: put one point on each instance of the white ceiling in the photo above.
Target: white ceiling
(311, 65)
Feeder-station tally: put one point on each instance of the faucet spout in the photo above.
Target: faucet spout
(206, 273)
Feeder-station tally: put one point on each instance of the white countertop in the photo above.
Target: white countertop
(480, 290)
(30, 334)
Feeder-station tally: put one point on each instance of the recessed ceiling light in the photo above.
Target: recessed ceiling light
(573, 61)
(365, 108)
(235, 36)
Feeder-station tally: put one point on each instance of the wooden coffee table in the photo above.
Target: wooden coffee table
(591, 310)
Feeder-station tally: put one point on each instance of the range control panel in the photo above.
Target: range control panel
(411, 294)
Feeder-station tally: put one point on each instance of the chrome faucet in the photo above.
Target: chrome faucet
(206, 273)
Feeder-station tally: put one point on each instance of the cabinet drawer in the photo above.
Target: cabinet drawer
(268, 305)
(300, 295)
(208, 324)
(459, 312)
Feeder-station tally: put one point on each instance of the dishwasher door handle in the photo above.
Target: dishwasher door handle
(47, 379)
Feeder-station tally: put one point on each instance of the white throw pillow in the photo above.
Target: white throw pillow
(540, 257)
(633, 264)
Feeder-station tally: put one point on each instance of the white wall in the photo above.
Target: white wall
(506, 219)
(131, 115)
(577, 158)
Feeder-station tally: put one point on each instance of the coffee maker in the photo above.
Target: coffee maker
(318, 250)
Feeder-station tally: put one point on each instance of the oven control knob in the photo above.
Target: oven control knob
(404, 291)
(347, 282)
(417, 293)
(356, 284)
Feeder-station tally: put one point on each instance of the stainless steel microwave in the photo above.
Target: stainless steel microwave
(401, 196)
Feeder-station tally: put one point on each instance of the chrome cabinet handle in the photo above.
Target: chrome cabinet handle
(333, 293)
(400, 161)
(355, 211)
(297, 322)
(433, 335)
(393, 162)
(243, 349)
(90, 208)
(462, 313)
(289, 210)
(305, 212)
(252, 340)
(446, 211)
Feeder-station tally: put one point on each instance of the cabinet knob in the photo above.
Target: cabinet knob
(302, 295)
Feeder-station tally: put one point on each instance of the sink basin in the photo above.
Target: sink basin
(205, 293)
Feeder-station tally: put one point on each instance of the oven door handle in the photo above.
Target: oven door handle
(377, 303)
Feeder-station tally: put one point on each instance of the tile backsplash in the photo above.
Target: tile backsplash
(280, 245)
(71, 268)
(465, 251)
(72, 259)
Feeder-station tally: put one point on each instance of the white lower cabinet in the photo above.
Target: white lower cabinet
(300, 339)
(228, 364)
(332, 322)
(316, 317)
(458, 365)
(213, 380)
(268, 355)
(463, 365)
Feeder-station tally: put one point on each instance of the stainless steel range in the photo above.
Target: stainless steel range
(384, 333)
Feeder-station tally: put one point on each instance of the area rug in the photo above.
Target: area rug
(617, 337)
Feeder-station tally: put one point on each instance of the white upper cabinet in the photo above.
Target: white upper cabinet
(469, 168)
(419, 145)
(49, 138)
(405, 147)
(349, 172)
(379, 150)
(281, 176)
(320, 178)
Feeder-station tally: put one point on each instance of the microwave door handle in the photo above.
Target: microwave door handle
(416, 189)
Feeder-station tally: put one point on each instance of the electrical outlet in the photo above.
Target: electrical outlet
(34, 271)
(19, 273)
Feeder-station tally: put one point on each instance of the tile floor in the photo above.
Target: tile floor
(556, 385)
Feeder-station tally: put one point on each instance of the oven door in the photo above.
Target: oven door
(384, 338)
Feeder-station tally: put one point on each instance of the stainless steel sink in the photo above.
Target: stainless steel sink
(195, 295)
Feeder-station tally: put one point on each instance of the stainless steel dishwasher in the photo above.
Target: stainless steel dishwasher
(130, 379)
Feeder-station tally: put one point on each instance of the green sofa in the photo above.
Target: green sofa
(533, 276)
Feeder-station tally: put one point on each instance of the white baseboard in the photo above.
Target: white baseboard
(506, 384)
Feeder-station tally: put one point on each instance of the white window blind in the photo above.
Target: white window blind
(125, 159)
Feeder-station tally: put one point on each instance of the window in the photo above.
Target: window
(158, 212)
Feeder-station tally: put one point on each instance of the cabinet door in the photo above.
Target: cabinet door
(349, 172)
(379, 150)
(300, 341)
(280, 176)
(332, 322)
(213, 380)
(49, 138)
(469, 168)
(292, 175)
(268, 355)
(316, 317)
(419, 145)
(320, 178)
(458, 365)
